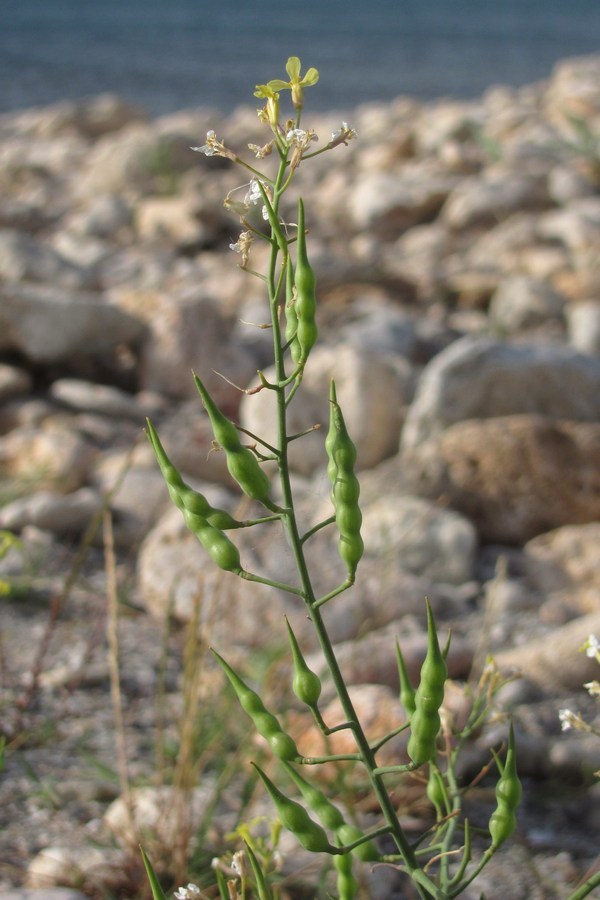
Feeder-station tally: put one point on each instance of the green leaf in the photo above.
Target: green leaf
(157, 891)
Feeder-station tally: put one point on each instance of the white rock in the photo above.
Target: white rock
(49, 325)
(583, 326)
(371, 393)
(479, 378)
(428, 541)
(103, 399)
(52, 454)
(520, 302)
(13, 382)
(60, 514)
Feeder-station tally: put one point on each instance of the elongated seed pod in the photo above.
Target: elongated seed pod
(327, 813)
(182, 495)
(367, 851)
(346, 884)
(503, 820)
(425, 721)
(294, 817)
(407, 692)
(243, 465)
(222, 551)
(267, 725)
(331, 436)
(341, 454)
(306, 685)
(291, 318)
(306, 300)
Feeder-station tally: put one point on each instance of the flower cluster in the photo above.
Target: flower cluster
(569, 719)
(190, 892)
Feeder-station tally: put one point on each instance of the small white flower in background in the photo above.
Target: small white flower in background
(188, 893)
(343, 135)
(567, 719)
(593, 688)
(592, 647)
(214, 147)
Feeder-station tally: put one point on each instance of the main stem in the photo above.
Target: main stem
(426, 888)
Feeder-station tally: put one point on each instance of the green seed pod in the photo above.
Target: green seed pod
(306, 300)
(436, 791)
(346, 884)
(243, 465)
(245, 469)
(183, 496)
(291, 318)
(267, 725)
(328, 815)
(345, 494)
(425, 721)
(225, 432)
(367, 851)
(407, 692)
(306, 685)
(295, 818)
(331, 436)
(222, 551)
(348, 517)
(503, 820)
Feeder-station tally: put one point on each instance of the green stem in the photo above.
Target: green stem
(425, 887)
(586, 888)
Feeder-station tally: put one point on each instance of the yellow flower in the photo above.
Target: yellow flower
(296, 83)
(271, 111)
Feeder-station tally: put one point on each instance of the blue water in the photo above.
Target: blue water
(172, 54)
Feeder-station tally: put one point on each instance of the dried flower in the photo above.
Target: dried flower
(299, 139)
(261, 152)
(242, 246)
(593, 688)
(343, 135)
(214, 147)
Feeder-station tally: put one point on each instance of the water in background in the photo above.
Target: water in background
(172, 54)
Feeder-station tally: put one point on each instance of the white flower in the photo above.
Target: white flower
(343, 135)
(254, 196)
(188, 893)
(592, 646)
(242, 246)
(567, 719)
(593, 688)
(214, 147)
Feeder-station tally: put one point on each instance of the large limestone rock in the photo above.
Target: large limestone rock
(514, 477)
(47, 324)
(479, 378)
(372, 392)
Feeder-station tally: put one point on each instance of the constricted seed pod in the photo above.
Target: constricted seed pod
(341, 454)
(306, 301)
(503, 820)
(267, 725)
(221, 550)
(243, 465)
(182, 495)
(294, 817)
(327, 813)
(425, 721)
(305, 683)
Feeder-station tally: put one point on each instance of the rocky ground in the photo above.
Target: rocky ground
(457, 248)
